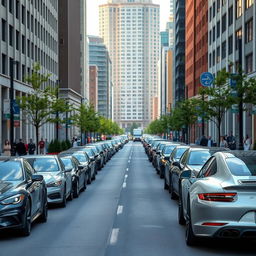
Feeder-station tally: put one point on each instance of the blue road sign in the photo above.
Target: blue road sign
(233, 81)
(206, 79)
(16, 108)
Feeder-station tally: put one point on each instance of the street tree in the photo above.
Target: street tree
(42, 103)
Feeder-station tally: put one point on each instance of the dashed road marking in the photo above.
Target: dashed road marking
(127, 169)
(119, 209)
(126, 176)
(114, 236)
(124, 185)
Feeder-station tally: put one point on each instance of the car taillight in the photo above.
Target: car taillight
(214, 224)
(217, 197)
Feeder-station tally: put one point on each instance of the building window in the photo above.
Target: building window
(210, 14)
(10, 35)
(223, 2)
(218, 5)
(223, 50)
(213, 9)
(230, 44)
(3, 30)
(238, 37)
(23, 44)
(210, 37)
(11, 6)
(218, 29)
(248, 63)
(239, 7)
(3, 2)
(17, 40)
(249, 31)
(213, 34)
(224, 21)
(23, 14)
(210, 60)
(248, 3)
(218, 54)
(213, 58)
(230, 15)
(4, 71)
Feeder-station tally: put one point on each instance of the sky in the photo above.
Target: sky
(93, 14)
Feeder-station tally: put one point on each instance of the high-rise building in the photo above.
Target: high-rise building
(179, 90)
(99, 56)
(130, 30)
(93, 86)
(232, 22)
(28, 34)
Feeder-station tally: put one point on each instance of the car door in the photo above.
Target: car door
(33, 188)
(68, 177)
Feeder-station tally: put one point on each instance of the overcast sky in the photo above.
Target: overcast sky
(93, 14)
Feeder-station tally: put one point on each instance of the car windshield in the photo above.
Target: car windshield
(67, 163)
(168, 149)
(11, 171)
(44, 164)
(242, 166)
(179, 152)
(80, 157)
(88, 151)
(198, 157)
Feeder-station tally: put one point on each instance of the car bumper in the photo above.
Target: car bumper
(55, 195)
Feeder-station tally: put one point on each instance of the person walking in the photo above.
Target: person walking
(223, 142)
(31, 147)
(203, 141)
(75, 143)
(231, 140)
(209, 142)
(7, 148)
(41, 145)
(21, 149)
(247, 143)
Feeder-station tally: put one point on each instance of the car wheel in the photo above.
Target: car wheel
(71, 195)
(191, 239)
(64, 200)
(26, 229)
(44, 215)
(181, 218)
(76, 190)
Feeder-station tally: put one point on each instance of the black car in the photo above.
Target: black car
(192, 159)
(23, 195)
(78, 176)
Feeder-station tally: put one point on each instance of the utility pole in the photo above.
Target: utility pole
(12, 62)
(240, 106)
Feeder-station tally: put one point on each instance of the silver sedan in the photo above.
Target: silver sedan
(221, 200)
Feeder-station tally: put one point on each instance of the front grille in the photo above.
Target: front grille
(55, 196)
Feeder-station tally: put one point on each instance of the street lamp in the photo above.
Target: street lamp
(57, 113)
(240, 106)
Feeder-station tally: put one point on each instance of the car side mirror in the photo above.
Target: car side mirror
(80, 167)
(37, 177)
(186, 174)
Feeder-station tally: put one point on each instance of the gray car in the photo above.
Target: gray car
(221, 200)
(57, 179)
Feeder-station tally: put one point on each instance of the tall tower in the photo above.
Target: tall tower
(130, 30)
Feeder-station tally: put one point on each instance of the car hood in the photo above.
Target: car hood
(50, 176)
(6, 186)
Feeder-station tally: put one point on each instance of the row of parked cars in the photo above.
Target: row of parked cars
(28, 184)
(215, 187)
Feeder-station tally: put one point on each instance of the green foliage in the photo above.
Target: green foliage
(55, 146)
(68, 143)
(134, 126)
(64, 145)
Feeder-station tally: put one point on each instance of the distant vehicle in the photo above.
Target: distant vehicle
(137, 134)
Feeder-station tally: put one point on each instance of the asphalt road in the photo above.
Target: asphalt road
(125, 212)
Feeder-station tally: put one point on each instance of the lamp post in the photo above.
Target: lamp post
(57, 113)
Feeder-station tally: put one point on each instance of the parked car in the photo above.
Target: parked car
(58, 180)
(174, 157)
(192, 159)
(221, 200)
(79, 178)
(23, 195)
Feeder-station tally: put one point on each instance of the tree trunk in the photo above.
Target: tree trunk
(37, 138)
(218, 126)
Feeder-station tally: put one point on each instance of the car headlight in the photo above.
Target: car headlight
(16, 199)
(55, 184)
(164, 161)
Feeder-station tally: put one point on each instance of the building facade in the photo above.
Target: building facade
(179, 90)
(93, 86)
(29, 34)
(130, 30)
(229, 23)
(99, 56)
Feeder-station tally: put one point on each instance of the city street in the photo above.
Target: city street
(125, 211)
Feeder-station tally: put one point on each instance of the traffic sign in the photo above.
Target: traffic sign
(206, 79)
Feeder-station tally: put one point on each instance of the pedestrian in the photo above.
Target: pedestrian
(75, 144)
(46, 146)
(203, 141)
(223, 142)
(31, 147)
(7, 148)
(197, 141)
(20, 148)
(41, 145)
(247, 143)
(26, 146)
(209, 142)
(231, 140)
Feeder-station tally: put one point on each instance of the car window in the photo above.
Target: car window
(198, 157)
(209, 169)
(28, 170)
(44, 164)
(244, 166)
(11, 171)
(81, 157)
(179, 152)
(184, 158)
(169, 149)
(68, 164)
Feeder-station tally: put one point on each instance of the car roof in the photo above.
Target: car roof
(240, 153)
(40, 156)
(13, 158)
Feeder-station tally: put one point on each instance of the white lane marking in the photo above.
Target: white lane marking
(126, 176)
(119, 209)
(129, 161)
(114, 236)
(127, 169)
(124, 185)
